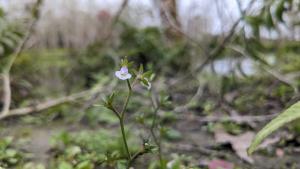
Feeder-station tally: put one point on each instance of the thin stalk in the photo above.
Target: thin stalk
(135, 156)
(124, 138)
(122, 117)
(127, 99)
(155, 138)
(116, 112)
(158, 143)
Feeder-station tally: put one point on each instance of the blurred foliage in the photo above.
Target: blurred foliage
(10, 35)
(147, 46)
(9, 156)
(102, 149)
(88, 149)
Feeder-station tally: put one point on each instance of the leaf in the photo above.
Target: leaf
(148, 74)
(239, 143)
(172, 134)
(269, 20)
(255, 54)
(220, 164)
(279, 10)
(145, 82)
(111, 98)
(65, 165)
(292, 113)
(85, 165)
(73, 151)
(254, 20)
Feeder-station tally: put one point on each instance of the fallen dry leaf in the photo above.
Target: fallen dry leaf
(279, 152)
(220, 164)
(241, 142)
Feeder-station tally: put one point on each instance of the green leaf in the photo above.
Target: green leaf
(148, 74)
(172, 134)
(145, 82)
(85, 165)
(279, 10)
(111, 98)
(65, 165)
(292, 113)
(141, 69)
(121, 164)
(269, 20)
(254, 20)
(73, 151)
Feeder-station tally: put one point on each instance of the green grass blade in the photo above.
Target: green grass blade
(292, 113)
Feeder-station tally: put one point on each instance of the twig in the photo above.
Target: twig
(281, 78)
(116, 19)
(121, 9)
(50, 103)
(136, 156)
(157, 139)
(172, 23)
(236, 118)
(214, 53)
(277, 75)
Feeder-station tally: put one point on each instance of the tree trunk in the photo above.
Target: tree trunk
(169, 18)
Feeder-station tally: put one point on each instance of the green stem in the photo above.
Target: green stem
(127, 99)
(135, 156)
(158, 143)
(122, 117)
(155, 138)
(124, 138)
(154, 118)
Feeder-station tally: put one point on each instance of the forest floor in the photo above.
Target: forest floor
(202, 140)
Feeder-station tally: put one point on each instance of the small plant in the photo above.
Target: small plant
(133, 77)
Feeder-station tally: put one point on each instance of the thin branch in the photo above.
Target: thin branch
(172, 23)
(157, 139)
(116, 19)
(136, 156)
(236, 118)
(120, 11)
(209, 56)
(277, 75)
(281, 78)
(116, 113)
(50, 103)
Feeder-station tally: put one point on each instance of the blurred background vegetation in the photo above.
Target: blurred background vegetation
(230, 63)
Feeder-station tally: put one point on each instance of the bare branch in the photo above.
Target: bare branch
(209, 56)
(50, 103)
(116, 19)
(235, 118)
(121, 9)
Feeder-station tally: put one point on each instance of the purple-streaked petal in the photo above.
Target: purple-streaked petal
(124, 69)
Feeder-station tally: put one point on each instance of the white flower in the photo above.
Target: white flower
(171, 164)
(123, 73)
